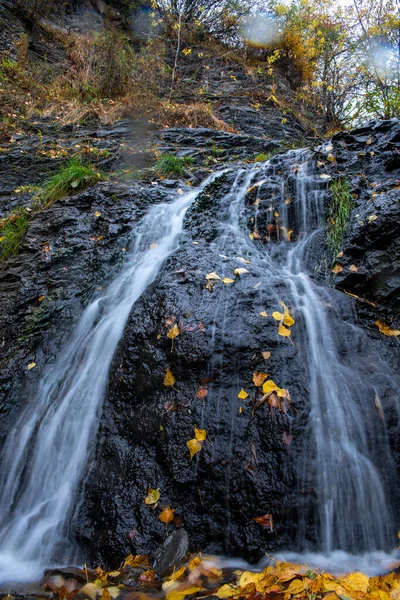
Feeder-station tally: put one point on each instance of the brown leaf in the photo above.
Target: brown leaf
(259, 378)
(169, 321)
(167, 514)
(337, 269)
(202, 391)
(169, 379)
(265, 521)
(173, 332)
(383, 328)
(266, 355)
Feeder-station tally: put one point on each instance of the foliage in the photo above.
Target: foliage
(339, 213)
(12, 229)
(219, 17)
(74, 177)
(168, 164)
(343, 58)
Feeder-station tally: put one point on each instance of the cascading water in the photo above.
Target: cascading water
(45, 455)
(352, 462)
(46, 452)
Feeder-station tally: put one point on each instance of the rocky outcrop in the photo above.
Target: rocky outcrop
(249, 465)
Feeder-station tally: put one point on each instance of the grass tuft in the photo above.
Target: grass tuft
(172, 165)
(339, 213)
(12, 229)
(74, 177)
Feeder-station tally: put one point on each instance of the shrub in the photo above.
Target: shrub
(72, 178)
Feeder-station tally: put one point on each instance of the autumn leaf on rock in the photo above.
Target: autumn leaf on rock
(167, 515)
(270, 386)
(337, 269)
(353, 269)
(243, 260)
(169, 321)
(196, 444)
(372, 218)
(265, 521)
(266, 355)
(31, 365)
(152, 497)
(173, 332)
(202, 391)
(212, 275)
(200, 434)
(264, 313)
(194, 447)
(228, 280)
(283, 331)
(242, 394)
(169, 379)
(385, 329)
(259, 378)
(240, 271)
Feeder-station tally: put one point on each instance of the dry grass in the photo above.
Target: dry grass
(190, 115)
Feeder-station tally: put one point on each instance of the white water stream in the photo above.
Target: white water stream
(46, 453)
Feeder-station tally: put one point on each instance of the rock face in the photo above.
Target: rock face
(370, 158)
(249, 466)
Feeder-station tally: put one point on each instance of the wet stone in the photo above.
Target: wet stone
(172, 553)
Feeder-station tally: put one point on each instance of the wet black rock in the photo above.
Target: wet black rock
(172, 553)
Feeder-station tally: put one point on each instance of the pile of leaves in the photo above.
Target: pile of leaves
(202, 577)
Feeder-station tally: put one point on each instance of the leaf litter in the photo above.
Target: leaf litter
(203, 577)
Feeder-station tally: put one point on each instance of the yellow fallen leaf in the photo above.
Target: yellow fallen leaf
(228, 280)
(226, 591)
(105, 594)
(385, 329)
(152, 497)
(243, 260)
(353, 268)
(296, 587)
(31, 365)
(287, 318)
(240, 271)
(331, 158)
(200, 434)
(194, 447)
(372, 218)
(180, 594)
(283, 331)
(356, 581)
(266, 355)
(212, 275)
(264, 313)
(270, 386)
(41, 298)
(259, 378)
(177, 574)
(337, 269)
(169, 379)
(97, 213)
(167, 514)
(277, 316)
(173, 332)
(242, 394)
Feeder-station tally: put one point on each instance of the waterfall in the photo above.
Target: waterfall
(46, 453)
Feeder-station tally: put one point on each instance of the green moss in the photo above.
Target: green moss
(74, 177)
(339, 213)
(12, 230)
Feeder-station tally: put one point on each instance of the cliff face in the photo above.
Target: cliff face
(259, 458)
